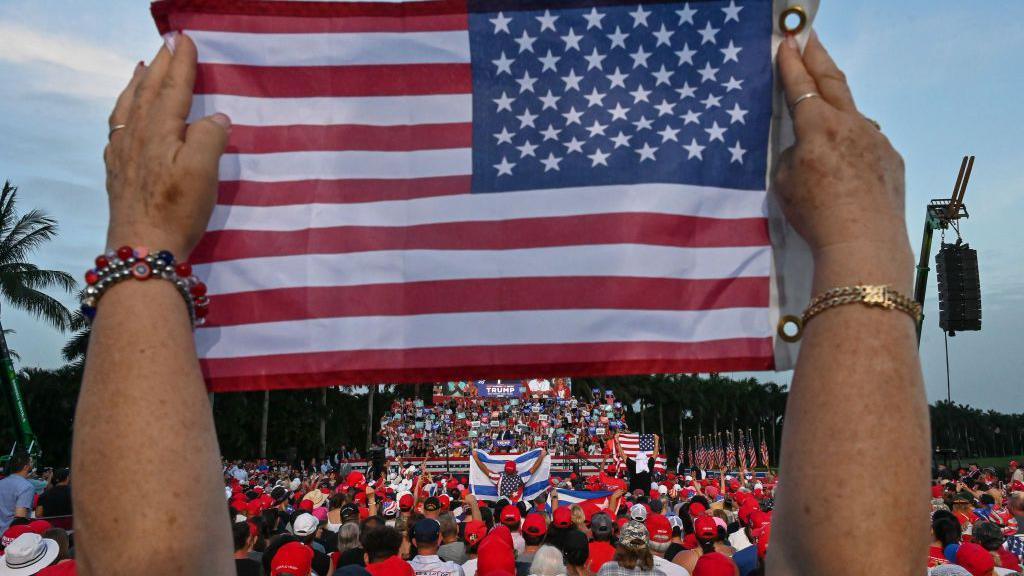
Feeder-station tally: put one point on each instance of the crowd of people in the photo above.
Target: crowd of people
(563, 425)
(298, 521)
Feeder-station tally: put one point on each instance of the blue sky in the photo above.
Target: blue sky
(943, 78)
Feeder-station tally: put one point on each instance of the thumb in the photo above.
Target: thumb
(205, 141)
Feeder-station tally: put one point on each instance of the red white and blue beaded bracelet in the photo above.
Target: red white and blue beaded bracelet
(127, 263)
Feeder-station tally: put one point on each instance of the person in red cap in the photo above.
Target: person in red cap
(975, 559)
(496, 558)
(705, 529)
(292, 559)
(535, 528)
(660, 533)
(509, 483)
(715, 564)
(511, 517)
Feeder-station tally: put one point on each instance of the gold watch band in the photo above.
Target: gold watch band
(875, 296)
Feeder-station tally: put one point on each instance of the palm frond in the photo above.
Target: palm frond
(32, 277)
(7, 202)
(30, 232)
(14, 354)
(39, 304)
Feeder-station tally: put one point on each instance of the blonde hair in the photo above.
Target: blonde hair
(579, 518)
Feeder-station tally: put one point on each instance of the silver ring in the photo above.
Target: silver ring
(115, 128)
(803, 97)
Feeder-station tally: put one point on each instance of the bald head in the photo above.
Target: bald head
(1017, 504)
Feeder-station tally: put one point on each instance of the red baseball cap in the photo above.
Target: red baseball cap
(562, 518)
(535, 525)
(714, 564)
(13, 532)
(405, 502)
(659, 528)
(696, 509)
(39, 526)
(705, 528)
(306, 505)
(937, 491)
(589, 509)
(510, 515)
(510, 466)
(475, 532)
(975, 559)
(292, 558)
(759, 518)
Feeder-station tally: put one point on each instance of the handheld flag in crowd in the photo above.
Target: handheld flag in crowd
(491, 483)
(414, 190)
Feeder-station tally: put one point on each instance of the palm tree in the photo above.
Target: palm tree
(21, 282)
(21, 285)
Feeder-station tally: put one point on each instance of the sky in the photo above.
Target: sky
(942, 78)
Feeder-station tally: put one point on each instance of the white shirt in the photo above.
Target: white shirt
(469, 568)
(669, 568)
(518, 543)
(433, 566)
(739, 540)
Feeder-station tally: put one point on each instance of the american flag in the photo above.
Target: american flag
(1015, 544)
(764, 451)
(730, 454)
(751, 453)
(634, 443)
(741, 448)
(418, 189)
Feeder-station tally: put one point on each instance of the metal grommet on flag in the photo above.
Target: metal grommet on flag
(788, 25)
(787, 321)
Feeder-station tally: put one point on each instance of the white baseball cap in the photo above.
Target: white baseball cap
(304, 525)
(638, 512)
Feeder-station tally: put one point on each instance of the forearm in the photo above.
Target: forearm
(856, 406)
(143, 405)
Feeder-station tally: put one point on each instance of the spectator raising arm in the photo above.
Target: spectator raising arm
(858, 380)
(143, 409)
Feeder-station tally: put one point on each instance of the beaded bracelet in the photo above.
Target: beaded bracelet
(140, 264)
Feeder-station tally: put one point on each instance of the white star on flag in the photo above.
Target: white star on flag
(501, 23)
(669, 133)
(731, 53)
(547, 21)
(504, 102)
(572, 40)
(598, 157)
(737, 114)
(527, 149)
(694, 150)
(686, 14)
(574, 145)
(716, 132)
(593, 19)
(640, 16)
(504, 167)
(551, 162)
(504, 137)
(647, 152)
(732, 12)
(737, 153)
(708, 34)
(549, 62)
(618, 38)
(525, 42)
(686, 55)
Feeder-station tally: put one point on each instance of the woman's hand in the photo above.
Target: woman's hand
(162, 173)
(841, 184)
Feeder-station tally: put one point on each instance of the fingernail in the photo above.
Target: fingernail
(138, 68)
(791, 42)
(169, 39)
(222, 120)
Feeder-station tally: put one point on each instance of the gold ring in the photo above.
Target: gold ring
(788, 320)
(115, 128)
(801, 15)
(803, 97)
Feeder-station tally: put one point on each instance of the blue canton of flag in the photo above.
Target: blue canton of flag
(646, 443)
(588, 95)
(1015, 544)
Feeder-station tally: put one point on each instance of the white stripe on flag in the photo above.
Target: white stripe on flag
(322, 111)
(674, 199)
(332, 49)
(396, 266)
(286, 166)
(480, 329)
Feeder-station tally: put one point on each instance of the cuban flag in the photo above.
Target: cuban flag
(569, 497)
(490, 485)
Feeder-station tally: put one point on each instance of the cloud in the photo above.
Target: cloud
(64, 64)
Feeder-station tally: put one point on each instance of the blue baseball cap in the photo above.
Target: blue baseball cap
(426, 531)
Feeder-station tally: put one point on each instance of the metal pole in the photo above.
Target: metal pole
(921, 282)
(263, 424)
(369, 418)
(15, 401)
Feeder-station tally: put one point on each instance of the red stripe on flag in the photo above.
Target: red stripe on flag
(338, 137)
(310, 81)
(617, 228)
(261, 24)
(477, 362)
(486, 295)
(165, 11)
(246, 193)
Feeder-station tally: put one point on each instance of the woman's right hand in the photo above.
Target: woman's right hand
(841, 185)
